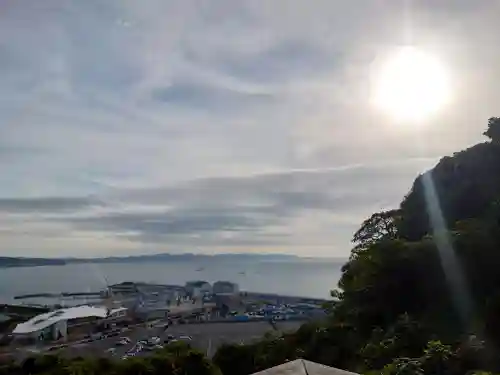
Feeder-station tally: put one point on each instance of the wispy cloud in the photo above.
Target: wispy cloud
(247, 212)
(45, 204)
(130, 125)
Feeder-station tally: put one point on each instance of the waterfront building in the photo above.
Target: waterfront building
(198, 288)
(55, 325)
(225, 287)
(147, 308)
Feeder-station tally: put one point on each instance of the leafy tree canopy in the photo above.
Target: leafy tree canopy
(493, 131)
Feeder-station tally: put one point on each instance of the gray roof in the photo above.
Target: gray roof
(196, 283)
(222, 282)
(303, 367)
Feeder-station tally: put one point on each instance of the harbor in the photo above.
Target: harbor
(210, 314)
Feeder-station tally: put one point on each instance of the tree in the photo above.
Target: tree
(379, 226)
(174, 359)
(403, 366)
(406, 338)
(387, 280)
(493, 131)
(235, 359)
(437, 359)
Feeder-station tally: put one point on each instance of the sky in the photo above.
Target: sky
(131, 127)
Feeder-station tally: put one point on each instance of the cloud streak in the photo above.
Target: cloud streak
(45, 204)
(130, 127)
(247, 212)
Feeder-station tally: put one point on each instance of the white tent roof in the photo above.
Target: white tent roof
(43, 321)
(303, 367)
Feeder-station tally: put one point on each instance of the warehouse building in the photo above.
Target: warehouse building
(225, 287)
(55, 325)
(198, 288)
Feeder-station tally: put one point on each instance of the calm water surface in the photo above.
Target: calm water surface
(301, 278)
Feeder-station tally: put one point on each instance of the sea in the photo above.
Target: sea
(308, 278)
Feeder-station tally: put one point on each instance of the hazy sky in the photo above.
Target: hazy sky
(221, 126)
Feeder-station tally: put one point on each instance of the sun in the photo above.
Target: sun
(411, 85)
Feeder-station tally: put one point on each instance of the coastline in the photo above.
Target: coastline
(309, 279)
(12, 262)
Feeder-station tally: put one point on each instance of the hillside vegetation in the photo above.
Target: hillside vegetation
(421, 290)
(420, 293)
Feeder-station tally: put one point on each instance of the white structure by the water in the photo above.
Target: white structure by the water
(54, 324)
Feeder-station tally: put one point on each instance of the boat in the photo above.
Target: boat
(200, 269)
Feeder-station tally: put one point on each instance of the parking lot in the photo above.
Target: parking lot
(206, 337)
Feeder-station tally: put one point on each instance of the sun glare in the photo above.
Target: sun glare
(411, 85)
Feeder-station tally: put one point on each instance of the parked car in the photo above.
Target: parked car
(135, 350)
(123, 341)
(154, 340)
(96, 336)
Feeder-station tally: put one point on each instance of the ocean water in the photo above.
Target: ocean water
(313, 278)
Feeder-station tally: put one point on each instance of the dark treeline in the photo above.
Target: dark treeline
(420, 293)
(175, 359)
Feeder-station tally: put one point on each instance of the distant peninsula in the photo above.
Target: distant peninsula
(6, 262)
(29, 262)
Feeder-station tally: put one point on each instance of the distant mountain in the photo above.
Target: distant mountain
(31, 262)
(165, 257)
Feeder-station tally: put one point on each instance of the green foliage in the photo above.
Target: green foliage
(467, 186)
(173, 360)
(235, 359)
(439, 359)
(386, 280)
(379, 226)
(493, 131)
(403, 366)
(246, 359)
(406, 338)
(324, 342)
(436, 359)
